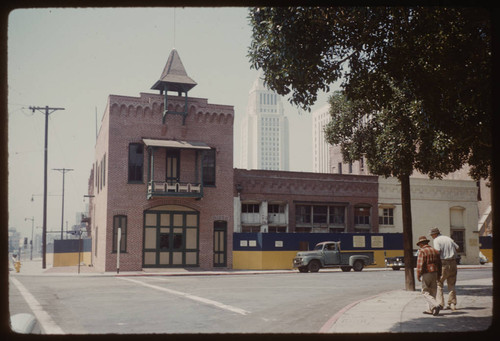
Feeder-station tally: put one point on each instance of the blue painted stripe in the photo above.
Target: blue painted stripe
(292, 241)
(72, 245)
(486, 242)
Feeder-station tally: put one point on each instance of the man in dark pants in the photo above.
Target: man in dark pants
(428, 272)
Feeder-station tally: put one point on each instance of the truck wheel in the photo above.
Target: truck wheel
(358, 265)
(303, 269)
(314, 266)
(345, 268)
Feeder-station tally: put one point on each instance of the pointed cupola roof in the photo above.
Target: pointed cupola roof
(174, 76)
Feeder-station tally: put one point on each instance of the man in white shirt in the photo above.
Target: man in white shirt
(448, 251)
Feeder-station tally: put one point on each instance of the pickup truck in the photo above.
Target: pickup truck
(329, 255)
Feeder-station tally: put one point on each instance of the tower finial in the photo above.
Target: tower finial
(174, 78)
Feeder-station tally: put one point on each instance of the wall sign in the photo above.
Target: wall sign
(358, 241)
(377, 241)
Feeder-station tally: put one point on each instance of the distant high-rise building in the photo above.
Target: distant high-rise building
(264, 131)
(327, 158)
(321, 155)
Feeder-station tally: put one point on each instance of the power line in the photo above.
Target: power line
(63, 171)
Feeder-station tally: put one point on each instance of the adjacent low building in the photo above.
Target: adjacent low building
(279, 201)
(450, 205)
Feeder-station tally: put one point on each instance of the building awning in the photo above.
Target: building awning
(175, 144)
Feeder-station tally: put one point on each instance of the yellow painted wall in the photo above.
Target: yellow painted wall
(379, 258)
(282, 260)
(69, 259)
(488, 253)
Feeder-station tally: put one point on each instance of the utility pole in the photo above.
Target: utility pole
(47, 111)
(63, 170)
(32, 228)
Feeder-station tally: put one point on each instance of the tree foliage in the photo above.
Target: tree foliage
(422, 75)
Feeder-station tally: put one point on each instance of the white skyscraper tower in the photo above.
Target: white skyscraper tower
(321, 153)
(264, 131)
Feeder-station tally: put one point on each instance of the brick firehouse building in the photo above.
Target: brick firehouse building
(161, 185)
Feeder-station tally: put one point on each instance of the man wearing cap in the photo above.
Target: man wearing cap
(448, 250)
(428, 272)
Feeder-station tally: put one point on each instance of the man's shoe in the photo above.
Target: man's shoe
(453, 307)
(428, 312)
(435, 310)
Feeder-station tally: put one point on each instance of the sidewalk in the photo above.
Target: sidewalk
(397, 311)
(401, 311)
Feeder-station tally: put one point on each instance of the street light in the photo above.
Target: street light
(32, 228)
(39, 195)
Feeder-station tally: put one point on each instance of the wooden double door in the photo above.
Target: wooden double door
(171, 237)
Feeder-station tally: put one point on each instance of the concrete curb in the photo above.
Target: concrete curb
(328, 326)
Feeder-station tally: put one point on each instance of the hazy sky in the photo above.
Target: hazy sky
(75, 58)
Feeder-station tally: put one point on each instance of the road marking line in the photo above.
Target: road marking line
(191, 297)
(46, 322)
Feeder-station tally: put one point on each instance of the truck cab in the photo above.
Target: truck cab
(331, 252)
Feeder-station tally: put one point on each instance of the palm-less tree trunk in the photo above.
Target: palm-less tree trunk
(407, 232)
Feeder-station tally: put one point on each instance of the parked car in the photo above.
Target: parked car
(398, 262)
(482, 258)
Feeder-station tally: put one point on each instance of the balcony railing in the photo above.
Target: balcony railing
(276, 218)
(174, 189)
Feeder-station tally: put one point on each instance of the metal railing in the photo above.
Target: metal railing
(167, 188)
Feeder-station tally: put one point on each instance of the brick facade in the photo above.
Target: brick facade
(298, 188)
(130, 120)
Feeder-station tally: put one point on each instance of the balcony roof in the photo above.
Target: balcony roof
(175, 144)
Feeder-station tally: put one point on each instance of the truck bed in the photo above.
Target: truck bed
(344, 256)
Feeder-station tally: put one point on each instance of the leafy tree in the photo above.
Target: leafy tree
(441, 55)
(416, 85)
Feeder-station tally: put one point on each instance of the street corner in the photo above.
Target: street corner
(375, 314)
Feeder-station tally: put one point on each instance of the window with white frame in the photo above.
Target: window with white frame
(386, 216)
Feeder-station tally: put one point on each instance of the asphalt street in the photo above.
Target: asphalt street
(240, 302)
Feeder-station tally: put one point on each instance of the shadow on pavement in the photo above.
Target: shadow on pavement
(445, 322)
(472, 290)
